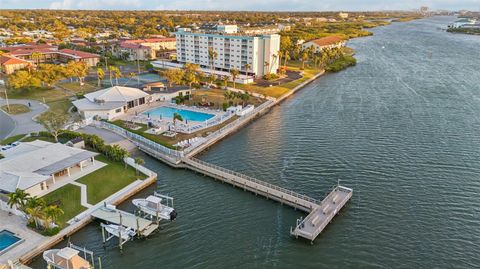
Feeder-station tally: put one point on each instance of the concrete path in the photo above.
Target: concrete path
(22, 123)
(83, 194)
(108, 137)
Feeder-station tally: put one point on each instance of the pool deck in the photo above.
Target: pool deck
(18, 225)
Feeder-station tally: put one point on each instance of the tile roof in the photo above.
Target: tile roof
(79, 54)
(7, 60)
(329, 40)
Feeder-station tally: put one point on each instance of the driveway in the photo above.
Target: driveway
(21, 123)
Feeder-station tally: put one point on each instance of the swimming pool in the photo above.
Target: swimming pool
(7, 240)
(167, 112)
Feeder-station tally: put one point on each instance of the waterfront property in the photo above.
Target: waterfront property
(37, 167)
(111, 102)
(168, 112)
(251, 55)
(324, 43)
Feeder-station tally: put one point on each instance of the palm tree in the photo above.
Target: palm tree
(100, 75)
(234, 72)
(34, 209)
(111, 69)
(286, 56)
(247, 68)
(245, 96)
(36, 57)
(18, 198)
(212, 56)
(52, 213)
(304, 59)
(117, 74)
(176, 117)
(225, 81)
(267, 64)
(139, 161)
(274, 56)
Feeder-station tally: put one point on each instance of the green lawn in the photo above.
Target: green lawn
(108, 180)
(57, 100)
(15, 109)
(69, 197)
(43, 138)
(12, 139)
(77, 88)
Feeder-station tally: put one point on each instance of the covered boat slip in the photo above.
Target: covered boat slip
(141, 226)
(310, 227)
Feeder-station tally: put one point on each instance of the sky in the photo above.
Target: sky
(249, 5)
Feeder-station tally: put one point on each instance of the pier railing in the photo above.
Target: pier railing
(140, 140)
(249, 178)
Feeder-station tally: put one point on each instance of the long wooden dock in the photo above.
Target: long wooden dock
(270, 191)
(310, 227)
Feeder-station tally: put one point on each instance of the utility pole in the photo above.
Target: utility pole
(6, 98)
(138, 70)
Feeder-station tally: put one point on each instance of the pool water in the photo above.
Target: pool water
(7, 239)
(167, 112)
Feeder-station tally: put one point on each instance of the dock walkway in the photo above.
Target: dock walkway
(310, 227)
(141, 226)
(270, 191)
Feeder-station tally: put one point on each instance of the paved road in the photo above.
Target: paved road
(7, 125)
(22, 123)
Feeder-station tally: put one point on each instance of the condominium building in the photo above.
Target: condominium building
(143, 49)
(250, 54)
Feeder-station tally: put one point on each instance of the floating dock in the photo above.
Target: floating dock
(310, 227)
(143, 227)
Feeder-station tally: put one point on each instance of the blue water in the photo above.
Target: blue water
(167, 112)
(7, 239)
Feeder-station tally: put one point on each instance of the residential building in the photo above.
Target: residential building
(38, 166)
(9, 64)
(42, 53)
(143, 49)
(324, 43)
(111, 102)
(343, 15)
(261, 30)
(234, 51)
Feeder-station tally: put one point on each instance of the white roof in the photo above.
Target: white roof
(154, 199)
(67, 253)
(85, 104)
(33, 162)
(116, 94)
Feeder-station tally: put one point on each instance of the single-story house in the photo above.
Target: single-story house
(111, 102)
(36, 166)
(324, 43)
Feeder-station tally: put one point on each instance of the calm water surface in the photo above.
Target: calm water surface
(401, 128)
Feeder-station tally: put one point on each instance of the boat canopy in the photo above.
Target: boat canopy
(154, 199)
(67, 253)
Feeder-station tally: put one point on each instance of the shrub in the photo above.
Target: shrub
(271, 76)
(225, 106)
(341, 63)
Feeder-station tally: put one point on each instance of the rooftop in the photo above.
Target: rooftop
(329, 40)
(33, 162)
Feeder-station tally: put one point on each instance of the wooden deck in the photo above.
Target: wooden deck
(310, 227)
(270, 191)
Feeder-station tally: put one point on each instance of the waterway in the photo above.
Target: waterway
(401, 128)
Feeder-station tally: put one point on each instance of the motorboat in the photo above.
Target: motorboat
(119, 231)
(157, 205)
(65, 258)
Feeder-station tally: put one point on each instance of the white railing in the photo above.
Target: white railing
(141, 141)
(251, 179)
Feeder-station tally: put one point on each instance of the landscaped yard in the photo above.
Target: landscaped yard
(77, 88)
(68, 199)
(15, 109)
(11, 139)
(279, 90)
(108, 179)
(216, 96)
(57, 100)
